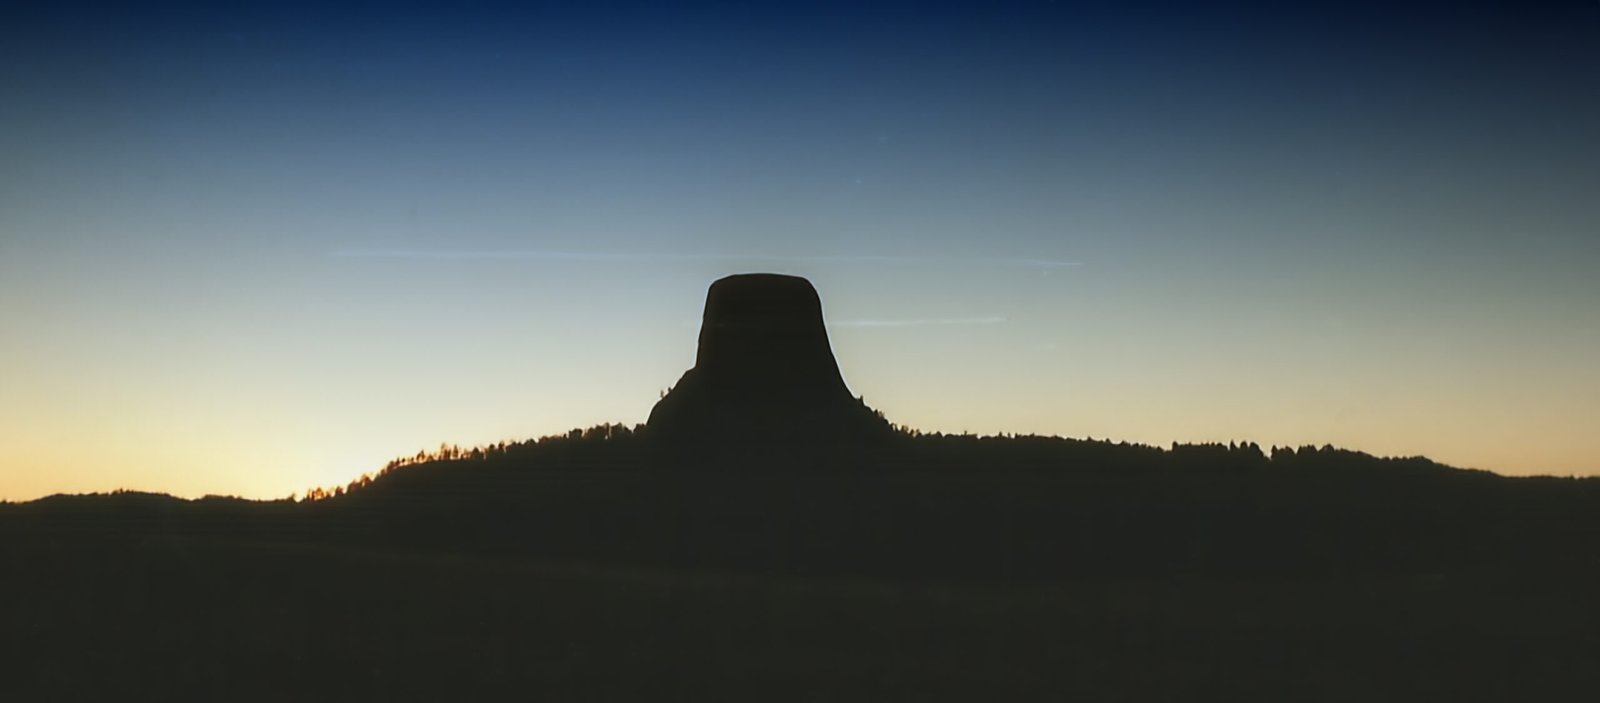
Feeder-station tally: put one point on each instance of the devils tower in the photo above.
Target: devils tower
(764, 375)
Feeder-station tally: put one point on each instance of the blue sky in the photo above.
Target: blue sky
(251, 249)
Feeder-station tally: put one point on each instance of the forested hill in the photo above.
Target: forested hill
(595, 565)
(921, 506)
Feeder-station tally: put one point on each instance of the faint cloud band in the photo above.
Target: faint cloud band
(933, 321)
(540, 255)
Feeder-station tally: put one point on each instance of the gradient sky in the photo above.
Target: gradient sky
(258, 248)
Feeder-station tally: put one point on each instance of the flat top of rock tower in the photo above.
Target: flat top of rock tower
(770, 297)
(762, 279)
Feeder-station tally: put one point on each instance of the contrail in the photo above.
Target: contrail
(891, 322)
(920, 322)
(535, 255)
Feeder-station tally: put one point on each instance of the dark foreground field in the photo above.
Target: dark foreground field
(486, 580)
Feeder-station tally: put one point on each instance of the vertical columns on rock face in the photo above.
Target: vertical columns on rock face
(766, 331)
(764, 372)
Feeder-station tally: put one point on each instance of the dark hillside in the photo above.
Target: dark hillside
(936, 568)
(983, 508)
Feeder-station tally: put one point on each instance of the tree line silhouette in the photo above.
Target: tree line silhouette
(918, 450)
(1248, 561)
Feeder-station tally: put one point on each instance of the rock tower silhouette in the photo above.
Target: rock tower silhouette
(764, 376)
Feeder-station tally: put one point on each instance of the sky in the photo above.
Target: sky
(250, 249)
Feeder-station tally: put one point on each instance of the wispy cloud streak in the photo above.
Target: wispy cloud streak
(920, 322)
(544, 255)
